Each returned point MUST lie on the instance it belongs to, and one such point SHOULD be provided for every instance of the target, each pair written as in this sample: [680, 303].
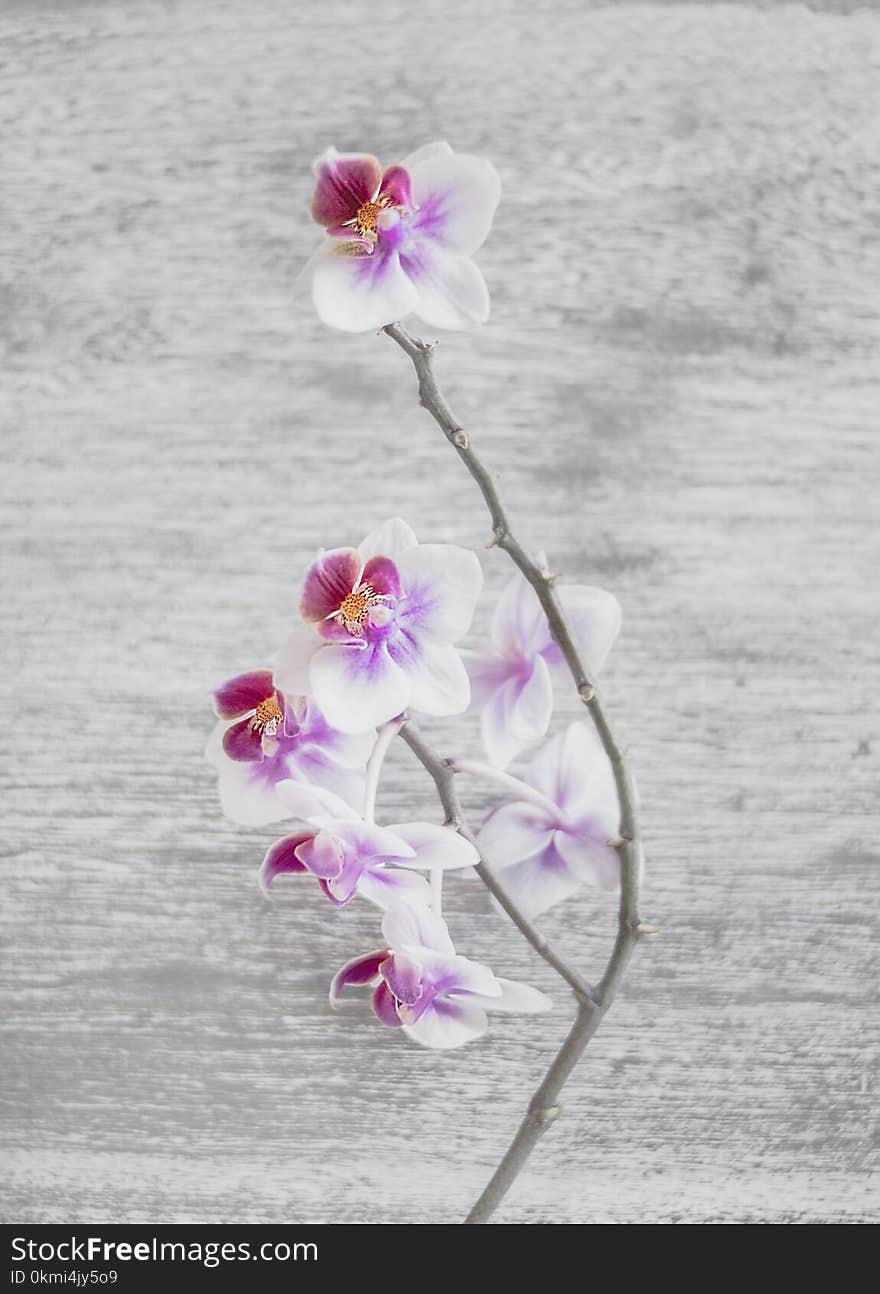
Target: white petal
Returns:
[415, 928]
[518, 713]
[313, 803]
[594, 616]
[574, 771]
[456, 195]
[537, 883]
[436, 846]
[487, 672]
[450, 1022]
[388, 540]
[290, 667]
[442, 583]
[452, 292]
[592, 860]
[385, 886]
[514, 831]
[360, 293]
[516, 997]
[247, 798]
[437, 678]
[358, 688]
[519, 625]
[437, 148]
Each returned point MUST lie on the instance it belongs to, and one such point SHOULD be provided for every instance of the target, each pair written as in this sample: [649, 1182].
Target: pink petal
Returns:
[385, 1006]
[345, 181]
[329, 581]
[282, 857]
[243, 742]
[396, 186]
[358, 688]
[450, 1022]
[361, 970]
[243, 693]
[488, 673]
[403, 975]
[574, 771]
[538, 883]
[323, 855]
[383, 577]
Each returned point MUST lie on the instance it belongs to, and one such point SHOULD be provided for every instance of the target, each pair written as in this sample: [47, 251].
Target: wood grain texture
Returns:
[679, 387]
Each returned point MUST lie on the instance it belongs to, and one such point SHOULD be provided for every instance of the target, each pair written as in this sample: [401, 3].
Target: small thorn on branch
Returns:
[619, 842]
[460, 438]
[642, 929]
[587, 693]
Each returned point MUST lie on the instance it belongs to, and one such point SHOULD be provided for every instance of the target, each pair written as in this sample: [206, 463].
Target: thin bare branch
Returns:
[543, 1108]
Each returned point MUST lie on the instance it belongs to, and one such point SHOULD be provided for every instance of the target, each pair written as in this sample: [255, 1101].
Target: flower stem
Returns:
[592, 1006]
[386, 735]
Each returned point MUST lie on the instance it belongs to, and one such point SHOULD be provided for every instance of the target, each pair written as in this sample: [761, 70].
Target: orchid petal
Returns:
[519, 625]
[385, 1006]
[416, 927]
[448, 1023]
[386, 886]
[515, 831]
[345, 181]
[452, 292]
[574, 771]
[383, 576]
[487, 673]
[537, 883]
[282, 857]
[437, 678]
[360, 970]
[292, 661]
[403, 975]
[442, 584]
[516, 997]
[328, 582]
[300, 800]
[455, 196]
[594, 616]
[391, 539]
[358, 687]
[518, 713]
[436, 847]
[243, 741]
[323, 855]
[361, 292]
[589, 859]
[242, 694]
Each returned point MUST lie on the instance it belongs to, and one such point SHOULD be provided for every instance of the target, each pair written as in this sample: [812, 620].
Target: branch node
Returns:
[460, 438]
[587, 693]
[546, 1113]
[642, 929]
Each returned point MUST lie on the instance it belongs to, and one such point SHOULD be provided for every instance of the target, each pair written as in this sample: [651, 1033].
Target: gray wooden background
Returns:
[679, 390]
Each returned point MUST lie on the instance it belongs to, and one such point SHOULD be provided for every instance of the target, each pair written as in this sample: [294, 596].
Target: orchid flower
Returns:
[349, 856]
[422, 986]
[265, 736]
[554, 834]
[401, 240]
[512, 683]
[381, 623]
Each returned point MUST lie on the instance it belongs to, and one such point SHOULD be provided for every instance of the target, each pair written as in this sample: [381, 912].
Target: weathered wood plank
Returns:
[679, 387]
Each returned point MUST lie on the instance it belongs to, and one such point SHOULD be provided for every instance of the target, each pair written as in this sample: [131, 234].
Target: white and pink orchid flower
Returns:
[422, 986]
[400, 241]
[381, 623]
[555, 833]
[265, 736]
[349, 856]
[512, 682]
